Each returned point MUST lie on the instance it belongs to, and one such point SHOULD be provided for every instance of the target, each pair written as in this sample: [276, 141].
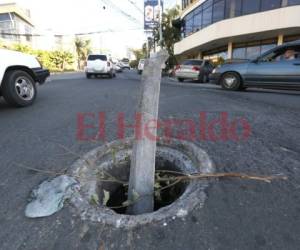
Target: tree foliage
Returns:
[61, 58]
[83, 48]
[138, 54]
[52, 60]
[171, 34]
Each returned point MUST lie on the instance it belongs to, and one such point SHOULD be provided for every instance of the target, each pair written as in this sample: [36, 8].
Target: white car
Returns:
[98, 65]
[125, 63]
[19, 74]
[141, 66]
[117, 66]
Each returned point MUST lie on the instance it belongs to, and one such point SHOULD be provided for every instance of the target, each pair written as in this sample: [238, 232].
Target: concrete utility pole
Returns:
[142, 170]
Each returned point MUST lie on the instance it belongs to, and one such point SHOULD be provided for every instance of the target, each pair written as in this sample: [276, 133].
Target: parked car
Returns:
[19, 74]
[194, 70]
[277, 68]
[141, 66]
[117, 68]
[125, 63]
[99, 65]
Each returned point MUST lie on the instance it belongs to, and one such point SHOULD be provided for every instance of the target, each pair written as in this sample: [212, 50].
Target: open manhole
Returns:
[112, 161]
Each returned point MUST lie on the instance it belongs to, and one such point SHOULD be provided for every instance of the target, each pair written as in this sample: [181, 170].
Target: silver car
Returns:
[194, 70]
[278, 68]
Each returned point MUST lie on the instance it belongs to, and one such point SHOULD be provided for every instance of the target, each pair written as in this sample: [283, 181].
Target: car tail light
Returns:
[177, 67]
[196, 68]
[108, 64]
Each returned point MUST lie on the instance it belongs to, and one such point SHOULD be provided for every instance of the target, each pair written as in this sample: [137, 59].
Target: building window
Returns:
[197, 20]
[207, 16]
[211, 11]
[217, 56]
[270, 4]
[293, 2]
[218, 11]
[250, 6]
[233, 8]
[253, 52]
[4, 17]
[267, 47]
[189, 25]
[239, 53]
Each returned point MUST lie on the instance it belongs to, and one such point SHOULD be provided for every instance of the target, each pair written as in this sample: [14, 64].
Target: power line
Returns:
[134, 4]
[130, 17]
[75, 34]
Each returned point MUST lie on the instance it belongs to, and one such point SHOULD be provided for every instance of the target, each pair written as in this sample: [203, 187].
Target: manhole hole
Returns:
[173, 158]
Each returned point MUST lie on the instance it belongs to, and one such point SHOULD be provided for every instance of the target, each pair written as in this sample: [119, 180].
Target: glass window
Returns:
[189, 26]
[293, 2]
[207, 17]
[233, 8]
[239, 53]
[198, 10]
[270, 4]
[250, 6]
[218, 11]
[97, 57]
[267, 47]
[252, 52]
[197, 22]
[4, 17]
[207, 4]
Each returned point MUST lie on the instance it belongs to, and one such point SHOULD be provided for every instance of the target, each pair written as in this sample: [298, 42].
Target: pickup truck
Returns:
[19, 74]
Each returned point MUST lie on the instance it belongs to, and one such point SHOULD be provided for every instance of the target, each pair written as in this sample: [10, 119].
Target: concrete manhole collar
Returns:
[112, 157]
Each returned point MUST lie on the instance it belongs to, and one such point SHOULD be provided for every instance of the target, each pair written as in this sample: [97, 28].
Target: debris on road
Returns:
[50, 196]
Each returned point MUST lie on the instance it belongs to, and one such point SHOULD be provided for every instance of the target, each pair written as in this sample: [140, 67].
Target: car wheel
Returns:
[110, 75]
[203, 79]
[88, 76]
[18, 88]
[231, 81]
[180, 79]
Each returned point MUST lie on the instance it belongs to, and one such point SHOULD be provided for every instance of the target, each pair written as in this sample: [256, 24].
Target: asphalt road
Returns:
[238, 214]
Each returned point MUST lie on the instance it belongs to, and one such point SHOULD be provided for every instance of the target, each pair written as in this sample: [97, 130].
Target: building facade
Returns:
[15, 24]
[236, 29]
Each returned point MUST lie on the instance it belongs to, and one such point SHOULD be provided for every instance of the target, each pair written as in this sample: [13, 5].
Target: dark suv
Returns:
[277, 68]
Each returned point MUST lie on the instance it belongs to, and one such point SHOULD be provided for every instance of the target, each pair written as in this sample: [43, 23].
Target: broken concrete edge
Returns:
[190, 158]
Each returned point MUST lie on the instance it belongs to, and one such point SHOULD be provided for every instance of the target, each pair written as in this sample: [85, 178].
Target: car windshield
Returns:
[193, 62]
[97, 57]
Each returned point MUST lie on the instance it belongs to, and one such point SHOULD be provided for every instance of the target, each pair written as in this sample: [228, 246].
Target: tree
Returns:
[139, 54]
[171, 34]
[22, 48]
[83, 48]
[61, 58]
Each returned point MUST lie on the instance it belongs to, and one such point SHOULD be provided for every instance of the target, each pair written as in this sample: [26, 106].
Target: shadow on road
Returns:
[4, 106]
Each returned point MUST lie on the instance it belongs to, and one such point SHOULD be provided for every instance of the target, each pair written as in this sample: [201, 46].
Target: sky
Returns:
[80, 16]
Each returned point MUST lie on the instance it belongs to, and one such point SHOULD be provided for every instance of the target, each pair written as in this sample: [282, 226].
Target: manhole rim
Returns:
[193, 196]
